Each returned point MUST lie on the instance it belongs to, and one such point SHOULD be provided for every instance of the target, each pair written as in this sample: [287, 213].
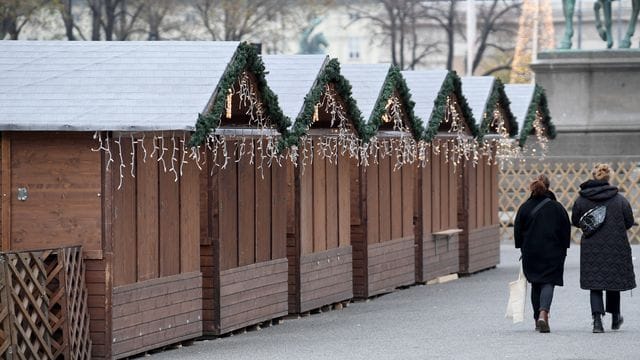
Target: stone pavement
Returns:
[462, 319]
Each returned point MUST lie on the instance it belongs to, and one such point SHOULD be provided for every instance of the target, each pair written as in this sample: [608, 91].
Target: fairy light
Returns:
[461, 147]
[341, 139]
[499, 149]
[229, 104]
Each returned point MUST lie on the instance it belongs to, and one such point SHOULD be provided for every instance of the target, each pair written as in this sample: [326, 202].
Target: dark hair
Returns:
[540, 186]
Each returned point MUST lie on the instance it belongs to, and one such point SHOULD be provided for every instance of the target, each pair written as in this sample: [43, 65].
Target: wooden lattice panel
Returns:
[77, 305]
[565, 178]
[40, 314]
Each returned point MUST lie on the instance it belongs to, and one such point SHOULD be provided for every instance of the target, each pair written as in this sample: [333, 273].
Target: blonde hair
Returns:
[601, 172]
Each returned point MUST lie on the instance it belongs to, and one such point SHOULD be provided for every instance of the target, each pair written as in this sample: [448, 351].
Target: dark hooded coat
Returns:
[543, 239]
[605, 256]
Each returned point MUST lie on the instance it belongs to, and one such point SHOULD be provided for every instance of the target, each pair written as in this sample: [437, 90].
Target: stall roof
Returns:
[372, 85]
[477, 90]
[291, 77]
[482, 93]
[366, 82]
[526, 99]
[520, 96]
[299, 80]
[430, 89]
[110, 85]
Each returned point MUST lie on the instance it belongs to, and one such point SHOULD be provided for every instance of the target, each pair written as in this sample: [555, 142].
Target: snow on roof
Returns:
[111, 85]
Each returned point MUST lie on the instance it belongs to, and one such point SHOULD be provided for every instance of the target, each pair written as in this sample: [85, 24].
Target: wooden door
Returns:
[51, 191]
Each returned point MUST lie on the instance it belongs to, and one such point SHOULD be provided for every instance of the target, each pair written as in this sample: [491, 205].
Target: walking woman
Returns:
[542, 233]
[605, 256]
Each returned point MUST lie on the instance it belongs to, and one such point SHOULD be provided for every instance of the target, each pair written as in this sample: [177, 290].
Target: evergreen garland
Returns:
[246, 58]
[395, 81]
[450, 85]
[498, 95]
[538, 102]
[330, 74]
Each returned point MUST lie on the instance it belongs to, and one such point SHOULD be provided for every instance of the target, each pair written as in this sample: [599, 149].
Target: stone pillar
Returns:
[594, 101]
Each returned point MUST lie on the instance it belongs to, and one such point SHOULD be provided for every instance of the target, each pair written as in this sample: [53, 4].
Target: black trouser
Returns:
[541, 297]
[613, 302]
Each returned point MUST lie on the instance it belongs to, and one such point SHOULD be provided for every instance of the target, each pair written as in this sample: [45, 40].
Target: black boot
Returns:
[597, 324]
[616, 321]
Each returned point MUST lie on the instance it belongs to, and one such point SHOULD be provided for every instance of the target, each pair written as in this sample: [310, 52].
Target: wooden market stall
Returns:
[450, 129]
[93, 155]
[243, 217]
[382, 192]
[325, 134]
[531, 110]
[480, 237]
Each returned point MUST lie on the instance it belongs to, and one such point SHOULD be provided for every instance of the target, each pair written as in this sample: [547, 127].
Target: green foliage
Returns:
[450, 85]
[395, 82]
[245, 58]
[498, 96]
[538, 102]
[330, 74]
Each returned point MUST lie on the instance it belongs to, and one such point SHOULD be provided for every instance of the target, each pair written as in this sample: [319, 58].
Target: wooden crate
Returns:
[43, 305]
[382, 230]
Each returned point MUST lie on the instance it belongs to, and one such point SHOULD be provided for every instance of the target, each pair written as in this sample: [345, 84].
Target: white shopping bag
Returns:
[517, 298]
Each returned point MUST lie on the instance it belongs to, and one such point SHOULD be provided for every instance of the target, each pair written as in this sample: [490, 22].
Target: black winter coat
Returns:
[543, 240]
[605, 256]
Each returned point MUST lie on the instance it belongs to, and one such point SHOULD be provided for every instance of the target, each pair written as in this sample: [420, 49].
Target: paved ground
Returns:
[463, 319]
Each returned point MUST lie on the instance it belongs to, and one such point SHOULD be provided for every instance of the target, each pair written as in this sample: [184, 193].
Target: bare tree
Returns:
[444, 13]
[66, 10]
[155, 12]
[95, 7]
[497, 25]
[127, 18]
[399, 23]
[15, 14]
[116, 18]
[237, 19]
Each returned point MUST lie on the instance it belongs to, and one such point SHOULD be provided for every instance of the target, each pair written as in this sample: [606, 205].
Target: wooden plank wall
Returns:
[155, 241]
[389, 201]
[324, 205]
[243, 222]
[382, 212]
[252, 294]
[480, 240]
[437, 211]
[319, 208]
[95, 278]
[443, 177]
[325, 278]
[251, 218]
[5, 185]
[294, 214]
[155, 220]
[153, 313]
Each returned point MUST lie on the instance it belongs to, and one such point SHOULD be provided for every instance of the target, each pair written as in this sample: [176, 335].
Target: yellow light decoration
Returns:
[229, 103]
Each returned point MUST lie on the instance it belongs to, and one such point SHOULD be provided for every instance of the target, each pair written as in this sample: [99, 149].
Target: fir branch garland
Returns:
[330, 74]
[498, 96]
[395, 82]
[246, 58]
[538, 103]
[450, 85]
